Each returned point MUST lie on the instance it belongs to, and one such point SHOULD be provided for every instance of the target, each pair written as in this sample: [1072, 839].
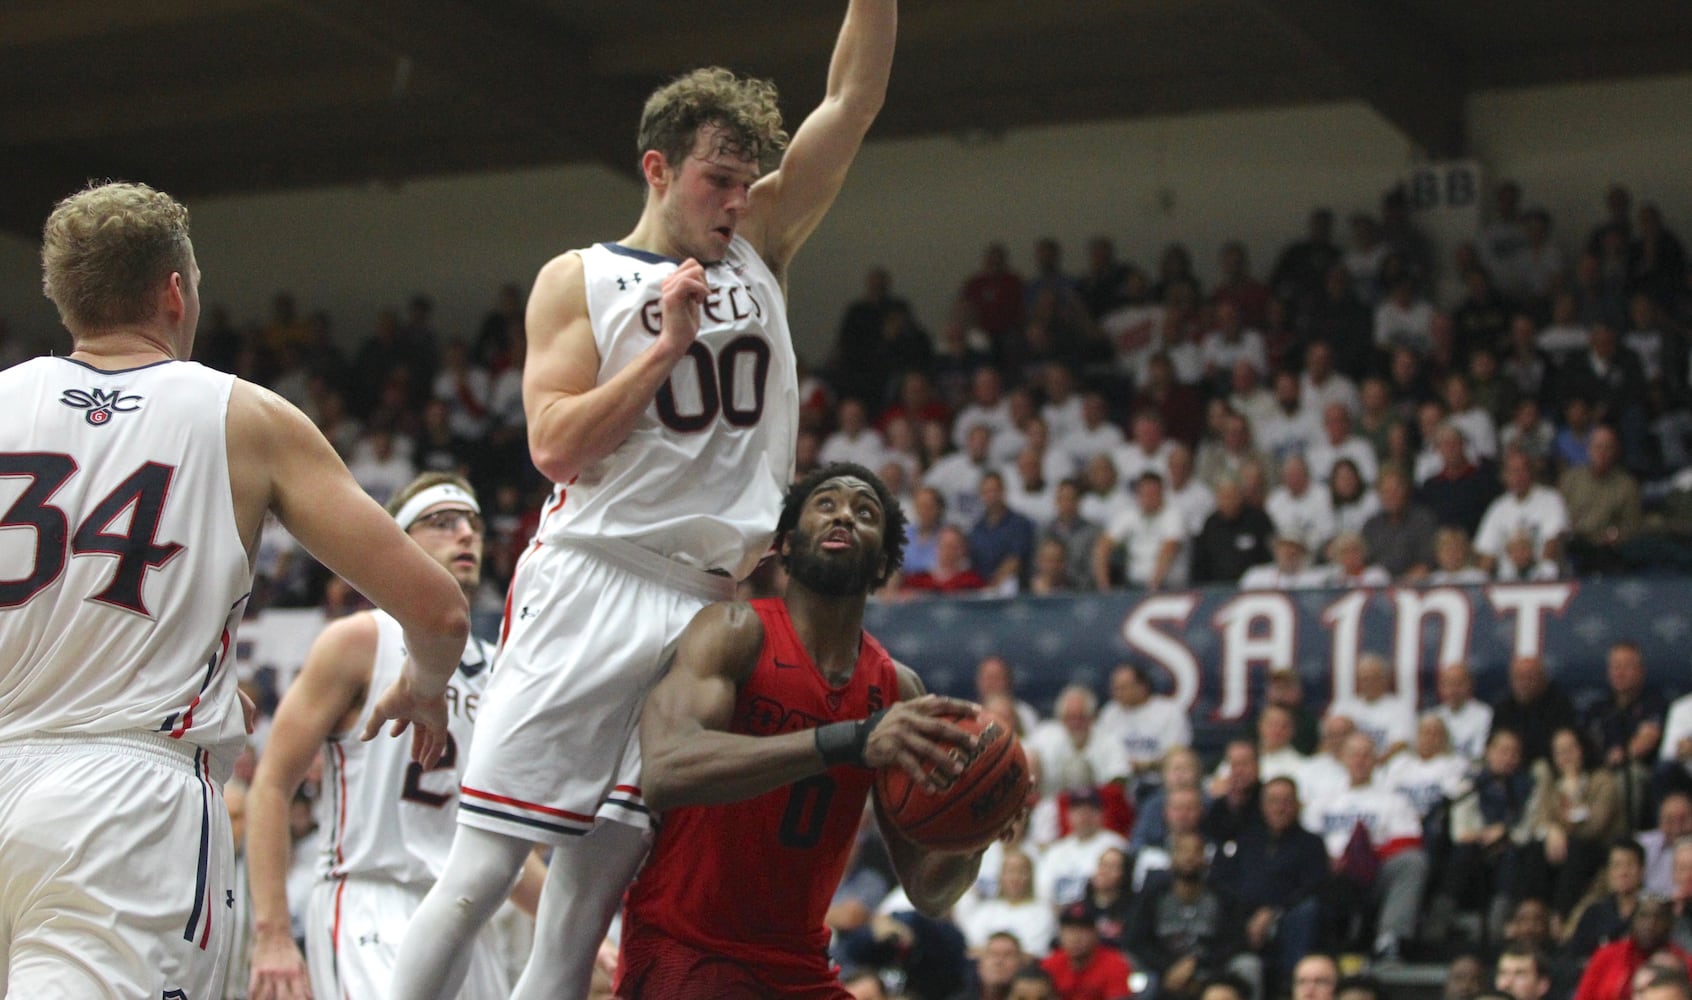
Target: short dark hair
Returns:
[1517, 948]
[1366, 983]
[892, 515]
[1629, 845]
[1228, 981]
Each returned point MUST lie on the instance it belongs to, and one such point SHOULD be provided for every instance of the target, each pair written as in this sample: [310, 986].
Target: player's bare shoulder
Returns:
[558, 297]
[910, 684]
[729, 635]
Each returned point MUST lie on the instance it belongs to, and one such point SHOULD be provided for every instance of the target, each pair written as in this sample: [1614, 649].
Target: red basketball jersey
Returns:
[752, 880]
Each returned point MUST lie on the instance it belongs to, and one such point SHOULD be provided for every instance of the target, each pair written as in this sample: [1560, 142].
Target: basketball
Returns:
[969, 811]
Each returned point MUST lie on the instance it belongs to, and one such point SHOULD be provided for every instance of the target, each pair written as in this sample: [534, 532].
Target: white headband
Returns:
[424, 499]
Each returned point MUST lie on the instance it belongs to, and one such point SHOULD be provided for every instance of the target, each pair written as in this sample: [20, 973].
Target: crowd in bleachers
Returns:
[1327, 424]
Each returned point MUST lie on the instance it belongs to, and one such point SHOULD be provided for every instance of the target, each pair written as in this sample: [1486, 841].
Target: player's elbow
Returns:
[449, 620]
[660, 786]
[556, 462]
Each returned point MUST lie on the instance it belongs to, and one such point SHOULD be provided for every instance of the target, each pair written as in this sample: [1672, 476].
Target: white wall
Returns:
[926, 207]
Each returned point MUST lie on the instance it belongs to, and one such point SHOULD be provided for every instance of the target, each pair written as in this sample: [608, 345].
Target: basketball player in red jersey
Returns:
[760, 746]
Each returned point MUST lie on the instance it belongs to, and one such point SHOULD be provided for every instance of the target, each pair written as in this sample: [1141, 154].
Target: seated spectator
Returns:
[1454, 560]
[1529, 432]
[958, 477]
[1051, 571]
[1568, 447]
[1186, 494]
[1016, 910]
[1181, 769]
[1234, 804]
[1291, 428]
[1603, 915]
[1182, 812]
[995, 676]
[1476, 423]
[1388, 719]
[1276, 870]
[926, 953]
[1524, 972]
[1153, 537]
[1147, 449]
[1576, 812]
[996, 965]
[1082, 967]
[1072, 754]
[1533, 707]
[1111, 897]
[1323, 774]
[1096, 435]
[1315, 977]
[1521, 562]
[1488, 821]
[854, 440]
[1339, 442]
[1625, 726]
[1185, 931]
[1603, 505]
[922, 532]
[952, 572]
[1374, 837]
[1001, 542]
[1298, 508]
[1348, 564]
[987, 407]
[1401, 534]
[1430, 775]
[1360, 986]
[1230, 343]
[1674, 821]
[1277, 757]
[1029, 490]
[1465, 978]
[1351, 499]
[1101, 500]
[1077, 534]
[1460, 492]
[1467, 719]
[1609, 974]
[1231, 449]
[1525, 507]
[1147, 724]
[1234, 538]
[1291, 569]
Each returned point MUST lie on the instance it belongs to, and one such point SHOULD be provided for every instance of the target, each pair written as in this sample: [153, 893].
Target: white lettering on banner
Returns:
[1413, 607]
[1170, 652]
[1345, 618]
[1274, 646]
[1529, 603]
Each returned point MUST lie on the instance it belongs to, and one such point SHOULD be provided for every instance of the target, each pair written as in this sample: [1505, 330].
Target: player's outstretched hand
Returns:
[682, 294]
[915, 735]
[279, 970]
[426, 717]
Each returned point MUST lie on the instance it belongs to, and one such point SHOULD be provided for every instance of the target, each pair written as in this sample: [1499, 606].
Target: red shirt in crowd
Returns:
[1609, 973]
[1103, 977]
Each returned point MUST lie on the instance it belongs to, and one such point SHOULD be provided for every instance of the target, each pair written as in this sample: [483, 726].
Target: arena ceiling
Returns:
[210, 97]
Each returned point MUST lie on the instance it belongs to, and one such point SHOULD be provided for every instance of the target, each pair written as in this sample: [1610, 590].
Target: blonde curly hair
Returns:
[106, 248]
[744, 109]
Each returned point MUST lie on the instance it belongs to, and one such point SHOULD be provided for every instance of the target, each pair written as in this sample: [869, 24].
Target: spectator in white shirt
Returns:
[1521, 562]
[1016, 910]
[1525, 508]
[1291, 428]
[1248, 395]
[958, 477]
[1348, 564]
[1322, 386]
[1477, 425]
[1147, 450]
[1147, 724]
[1009, 442]
[994, 676]
[1454, 560]
[1229, 344]
[1072, 754]
[1029, 490]
[1352, 500]
[1291, 569]
[1192, 498]
[1153, 536]
[1069, 863]
[1062, 409]
[1339, 442]
[1323, 774]
[987, 406]
[1405, 319]
[1388, 719]
[1097, 435]
[1467, 719]
[855, 440]
[1298, 508]
[1102, 500]
[1431, 773]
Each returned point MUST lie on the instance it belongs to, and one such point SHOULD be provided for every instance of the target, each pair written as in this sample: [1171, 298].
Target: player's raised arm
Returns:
[933, 879]
[574, 420]
[691, 759]
[282, 462]
[328, 688]
[788, 204]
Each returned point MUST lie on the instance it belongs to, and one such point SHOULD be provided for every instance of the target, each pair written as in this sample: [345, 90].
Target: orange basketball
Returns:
[969, 811]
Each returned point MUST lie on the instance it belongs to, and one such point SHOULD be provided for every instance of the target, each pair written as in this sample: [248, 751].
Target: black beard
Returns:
[829, 577]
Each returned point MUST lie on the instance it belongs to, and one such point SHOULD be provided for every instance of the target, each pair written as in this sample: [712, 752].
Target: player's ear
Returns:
[173, 296]
[656, 169]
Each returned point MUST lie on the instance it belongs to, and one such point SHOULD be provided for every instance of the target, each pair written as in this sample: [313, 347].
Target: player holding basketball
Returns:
[119, 717]
[389, 820]
[662, 399]
[759, 745]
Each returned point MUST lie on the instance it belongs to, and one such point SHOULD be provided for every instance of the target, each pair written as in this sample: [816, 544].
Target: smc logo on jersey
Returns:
[99, 403]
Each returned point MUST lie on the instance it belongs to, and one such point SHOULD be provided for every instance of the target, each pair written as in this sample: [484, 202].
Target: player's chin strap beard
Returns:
[844, 742]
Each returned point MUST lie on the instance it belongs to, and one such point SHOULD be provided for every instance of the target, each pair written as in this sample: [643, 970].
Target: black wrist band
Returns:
[844, 742]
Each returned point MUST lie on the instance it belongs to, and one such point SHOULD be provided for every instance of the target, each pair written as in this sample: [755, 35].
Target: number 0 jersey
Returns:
[752, 880]
[122, 575]
[385, 816]
[701, 477]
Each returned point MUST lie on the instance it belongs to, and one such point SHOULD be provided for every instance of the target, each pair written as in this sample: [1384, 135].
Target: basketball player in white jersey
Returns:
[662, 400]
[132, 487]
[388, 820]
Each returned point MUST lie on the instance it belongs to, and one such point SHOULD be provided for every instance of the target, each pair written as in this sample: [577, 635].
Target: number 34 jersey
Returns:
[122, 575]
[701, 477]
[383, 815]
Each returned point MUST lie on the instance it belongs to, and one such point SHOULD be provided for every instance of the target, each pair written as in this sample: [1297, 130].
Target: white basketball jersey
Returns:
[122, 575]
[383, 815]
[701, 477]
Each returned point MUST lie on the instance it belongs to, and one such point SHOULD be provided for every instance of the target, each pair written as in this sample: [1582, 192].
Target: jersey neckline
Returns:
[116, 371]
[648, 256]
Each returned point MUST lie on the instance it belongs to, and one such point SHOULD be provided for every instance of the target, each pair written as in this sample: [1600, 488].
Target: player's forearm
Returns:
[267, 853]
[571, 432]
[863, 57]
[709, 767]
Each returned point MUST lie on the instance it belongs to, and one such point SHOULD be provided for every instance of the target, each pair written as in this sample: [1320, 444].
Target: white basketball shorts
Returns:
[354, 927]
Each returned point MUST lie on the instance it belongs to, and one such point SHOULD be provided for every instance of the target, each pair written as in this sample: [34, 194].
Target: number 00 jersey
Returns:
[701, 477]
[386, 816]
[122, 575]
[752, 880]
